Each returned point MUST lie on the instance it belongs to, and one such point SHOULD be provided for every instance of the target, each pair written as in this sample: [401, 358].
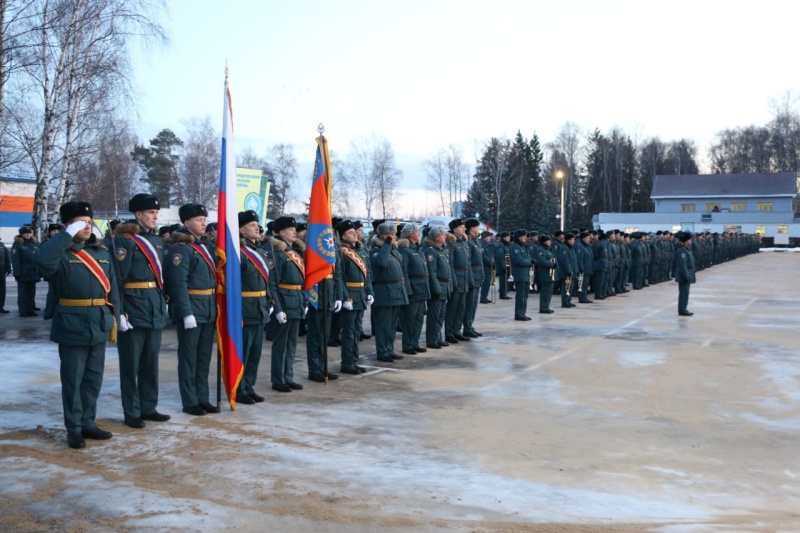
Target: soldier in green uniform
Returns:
[546, 267]
[23, 261]
[683, 270]
[357, 293]
[415, 268]
[565, 267]
[502, 261]
[139, 265]
[359, 227]
[286, 279]
[521, 270]
[5, 270]
[440, 286]
[388, 282]
[489, 266]
[85, 318]
[472, 226]
[191, 276]
[462, 279]
[255, 305]
[601, 265]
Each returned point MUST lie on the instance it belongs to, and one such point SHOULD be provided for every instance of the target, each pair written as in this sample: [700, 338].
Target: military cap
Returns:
[558, 233]
[270, 226]
[601, 236]
[543, 238]
[485, 234]
[408, 230]
[335, 221]
[504, 234]
[54, 227]
[246, 217]
[143, 202]
[357, 224]
[585, 234]
[533, 233]
[343, 226]
[192, 210]
[569, 236]
[163, 230]
[211, 227]
[282, 223]
[456, 222]
[174, 227]
[116, 222]
[386, 228]
[27, 228]
[377, 222]
[520, 233]
[472, 223]
[425, 230]
[436, 231]
[302, 226]
[684, 236]
[399, 228]
[70, 210]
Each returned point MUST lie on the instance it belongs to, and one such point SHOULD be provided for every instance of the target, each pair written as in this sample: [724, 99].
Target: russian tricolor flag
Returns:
[229, 274]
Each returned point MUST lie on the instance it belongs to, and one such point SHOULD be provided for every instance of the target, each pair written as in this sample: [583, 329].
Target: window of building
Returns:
[688, 208]
[765, 206]
[733, 229]
[713, 207]
[676, 229]
[631, 230]
[738, 206]
[783, 229]
[761, 230]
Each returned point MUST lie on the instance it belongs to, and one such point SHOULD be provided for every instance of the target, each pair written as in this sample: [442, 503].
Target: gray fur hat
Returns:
[435, 231]
[408, 230]
[386, 228]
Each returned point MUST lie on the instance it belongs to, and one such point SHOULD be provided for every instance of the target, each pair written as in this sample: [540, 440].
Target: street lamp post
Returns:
[560, 177]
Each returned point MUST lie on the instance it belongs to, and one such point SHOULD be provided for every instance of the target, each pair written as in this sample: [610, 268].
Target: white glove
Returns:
[281, 318]
[337, 306]
[271, 309]
[348, 305]
[124, 325]
[305, 311]
[370, 299]
[189, 322]
[75, 227]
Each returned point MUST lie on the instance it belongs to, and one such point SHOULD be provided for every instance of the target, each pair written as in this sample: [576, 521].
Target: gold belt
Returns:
[201, 292]
[140, 285]
[290, 287]
[355, 284]
[95, 302]
[253, 294]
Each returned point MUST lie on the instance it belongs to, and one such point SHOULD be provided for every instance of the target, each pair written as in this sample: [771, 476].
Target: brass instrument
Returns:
[507, 260]
[567, 284]
[580, 282]
[553, 270]
[531, 274]
[494, 271]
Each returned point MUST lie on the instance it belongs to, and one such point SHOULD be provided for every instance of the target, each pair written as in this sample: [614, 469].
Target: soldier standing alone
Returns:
[683, 270]
[23, 261]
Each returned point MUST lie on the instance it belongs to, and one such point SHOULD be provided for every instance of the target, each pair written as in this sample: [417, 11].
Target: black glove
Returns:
[389, 240]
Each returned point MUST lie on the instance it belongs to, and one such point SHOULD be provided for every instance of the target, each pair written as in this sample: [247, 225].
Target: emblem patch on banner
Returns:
[121, 253]
[325, 243]
[176, 259]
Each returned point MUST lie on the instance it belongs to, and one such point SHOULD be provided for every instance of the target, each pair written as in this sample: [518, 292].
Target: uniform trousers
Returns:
[194, 361]
[81, 380]
[252, 342]
[138, 371]
[435, 321]
[454, 315]
[351, 336]
[471, 309]
[284, 348]
[521, 298]
[413, 317]
[545, 295]
[385, 324]
[315, 350]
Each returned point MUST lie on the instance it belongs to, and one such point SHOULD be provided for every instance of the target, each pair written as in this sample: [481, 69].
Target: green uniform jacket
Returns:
[545, 261]
[476, 260]
[459, 263]
[601, 256]
[5, 260]
[585, 258]
[415, 268]
[255, 310]
[185, 269]
[71, 279]
[520, 262]
[439, 276]
[683, 266]
[563, 254]
[284, 271]
[23, 259]
[351, 272]
[388, 281]
[145, 308]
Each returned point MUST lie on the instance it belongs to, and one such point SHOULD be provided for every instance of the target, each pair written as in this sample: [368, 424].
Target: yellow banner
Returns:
[252, 191]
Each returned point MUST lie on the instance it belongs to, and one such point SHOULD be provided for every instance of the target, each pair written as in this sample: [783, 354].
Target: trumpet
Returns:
[533, 281]
[567, 284]
[553, 270]
[580, 282]
[507, 261]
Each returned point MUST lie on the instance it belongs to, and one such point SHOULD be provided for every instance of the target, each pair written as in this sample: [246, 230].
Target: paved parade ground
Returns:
[613, 416]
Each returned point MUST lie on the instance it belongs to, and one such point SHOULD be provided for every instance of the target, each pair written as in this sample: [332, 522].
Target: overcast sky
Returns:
[428, 73]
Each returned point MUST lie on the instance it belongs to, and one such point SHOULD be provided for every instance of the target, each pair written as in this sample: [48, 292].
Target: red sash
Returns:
[297, 260]
[355, 258]
[258, 262]
[207, 256]
[95, 268]
[152, 257]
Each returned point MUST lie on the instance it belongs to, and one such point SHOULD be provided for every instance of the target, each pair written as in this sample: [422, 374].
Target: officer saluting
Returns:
[192, 282]
[85, 318]
[390, 293]
[140, 255]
